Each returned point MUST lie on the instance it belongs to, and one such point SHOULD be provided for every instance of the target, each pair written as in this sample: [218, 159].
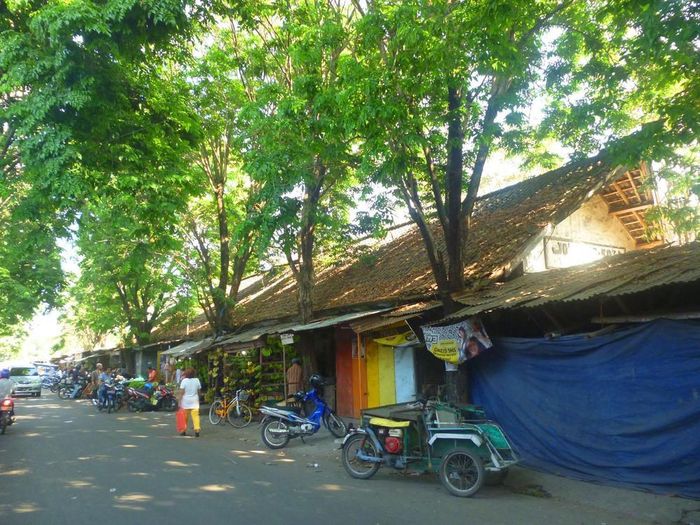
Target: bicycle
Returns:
[233, 408]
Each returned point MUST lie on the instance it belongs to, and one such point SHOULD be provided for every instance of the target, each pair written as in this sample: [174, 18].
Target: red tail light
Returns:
[6, 404]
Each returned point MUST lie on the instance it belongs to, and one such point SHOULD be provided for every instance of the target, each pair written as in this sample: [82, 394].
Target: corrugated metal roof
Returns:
[189, 347]
[616, 275]
[377, 322]
[331, 321]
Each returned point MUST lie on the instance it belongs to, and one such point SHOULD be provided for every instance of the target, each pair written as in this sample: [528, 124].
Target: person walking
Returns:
[189, 401]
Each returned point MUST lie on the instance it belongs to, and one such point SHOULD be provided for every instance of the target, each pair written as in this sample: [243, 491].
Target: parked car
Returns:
[27, 380]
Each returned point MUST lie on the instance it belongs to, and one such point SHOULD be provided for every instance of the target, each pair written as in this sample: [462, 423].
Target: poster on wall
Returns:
[457, 343]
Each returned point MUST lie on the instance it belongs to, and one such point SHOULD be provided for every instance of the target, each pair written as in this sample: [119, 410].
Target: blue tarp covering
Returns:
[621, 408]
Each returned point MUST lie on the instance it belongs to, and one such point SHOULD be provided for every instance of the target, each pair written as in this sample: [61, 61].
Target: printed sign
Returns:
[457, 343]
[287, 339]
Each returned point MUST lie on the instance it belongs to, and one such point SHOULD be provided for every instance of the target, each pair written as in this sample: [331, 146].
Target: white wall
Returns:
[584, 236]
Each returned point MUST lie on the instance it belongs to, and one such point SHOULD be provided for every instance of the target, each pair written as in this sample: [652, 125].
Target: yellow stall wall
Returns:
[372, 374]
[387, 381]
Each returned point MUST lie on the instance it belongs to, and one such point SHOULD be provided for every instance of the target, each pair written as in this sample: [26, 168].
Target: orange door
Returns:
[359, 377]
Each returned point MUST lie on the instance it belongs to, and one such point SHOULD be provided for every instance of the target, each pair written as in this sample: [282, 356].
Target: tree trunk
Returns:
[305, 275]
[307, 352]
[221, 301]
[454, 174]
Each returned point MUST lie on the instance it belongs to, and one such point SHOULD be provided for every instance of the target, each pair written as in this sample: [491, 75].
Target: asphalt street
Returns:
[65, 463]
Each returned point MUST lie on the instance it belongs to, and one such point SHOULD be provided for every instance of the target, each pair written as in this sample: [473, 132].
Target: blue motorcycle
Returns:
[281, 424]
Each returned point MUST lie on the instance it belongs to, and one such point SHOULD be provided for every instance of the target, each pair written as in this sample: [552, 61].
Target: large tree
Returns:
[128, 282]
[83, 111]
[223, 226]
[443, 85]
[292, 60]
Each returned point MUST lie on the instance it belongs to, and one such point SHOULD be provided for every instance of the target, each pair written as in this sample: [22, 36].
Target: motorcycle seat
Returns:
[388, 423]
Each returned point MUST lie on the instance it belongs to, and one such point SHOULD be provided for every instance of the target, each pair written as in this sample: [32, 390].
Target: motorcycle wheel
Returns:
[132, 406]
[272, 439]
[335, 425]
[462, 473]
[215, 412]
[64, 393]
[239, 418]
[356, 467]
[169, 404]
[3, 424]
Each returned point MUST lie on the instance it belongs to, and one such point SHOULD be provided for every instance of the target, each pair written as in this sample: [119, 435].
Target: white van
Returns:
[26, 379]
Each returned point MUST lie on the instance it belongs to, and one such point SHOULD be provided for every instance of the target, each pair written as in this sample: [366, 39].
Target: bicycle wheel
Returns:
[216, 412]
[239, 415]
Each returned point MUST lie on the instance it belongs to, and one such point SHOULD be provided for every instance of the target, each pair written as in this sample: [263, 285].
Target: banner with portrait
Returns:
[457, 343]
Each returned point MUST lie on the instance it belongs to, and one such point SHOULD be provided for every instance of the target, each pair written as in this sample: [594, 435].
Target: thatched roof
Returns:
[505, 224]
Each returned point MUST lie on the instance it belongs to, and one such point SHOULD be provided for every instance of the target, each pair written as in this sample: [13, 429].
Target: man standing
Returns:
[98, 379]
[294, 377]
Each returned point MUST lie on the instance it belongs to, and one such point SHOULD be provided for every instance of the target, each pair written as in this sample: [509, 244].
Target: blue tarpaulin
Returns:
[621, 408]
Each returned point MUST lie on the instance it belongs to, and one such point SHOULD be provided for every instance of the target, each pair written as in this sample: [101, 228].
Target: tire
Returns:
[169, 404]
[275, 440]
[354, 466]
[64, 393]
[132, 406]
[215, 411]
[462, 473]
[3, 423]
[496, 478]
[240, 418]
[38, 394]
[335, 425]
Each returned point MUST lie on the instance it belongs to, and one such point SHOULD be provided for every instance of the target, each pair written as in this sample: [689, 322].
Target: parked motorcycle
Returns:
[161, 398]
[112, 397]
[281, 424]
[69, 391]
[7, 407]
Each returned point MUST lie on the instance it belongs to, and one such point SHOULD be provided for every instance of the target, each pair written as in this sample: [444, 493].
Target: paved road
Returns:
[65, 463]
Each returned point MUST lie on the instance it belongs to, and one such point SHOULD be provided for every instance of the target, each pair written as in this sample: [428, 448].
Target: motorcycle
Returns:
[162, 398]
[73, 390]
[112, 397]
[281, 424]
[7, 407]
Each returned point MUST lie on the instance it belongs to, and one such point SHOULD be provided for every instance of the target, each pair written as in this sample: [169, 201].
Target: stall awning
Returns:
[331, 321]
[189, 347]
[252, 335]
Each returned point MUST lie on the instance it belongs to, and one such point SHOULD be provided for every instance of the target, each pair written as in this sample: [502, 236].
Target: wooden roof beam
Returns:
[634, 186]
[630, 210]
[620, 192]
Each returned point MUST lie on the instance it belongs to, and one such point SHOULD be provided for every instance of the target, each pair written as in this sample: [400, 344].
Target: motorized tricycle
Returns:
[456, 441]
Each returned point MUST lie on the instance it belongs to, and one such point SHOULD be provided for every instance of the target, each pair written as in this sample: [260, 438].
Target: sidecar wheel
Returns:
[275, 434]
[462, 473]
[354, 466]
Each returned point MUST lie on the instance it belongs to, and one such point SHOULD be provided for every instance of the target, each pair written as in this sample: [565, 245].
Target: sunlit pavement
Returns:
[64, 462]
